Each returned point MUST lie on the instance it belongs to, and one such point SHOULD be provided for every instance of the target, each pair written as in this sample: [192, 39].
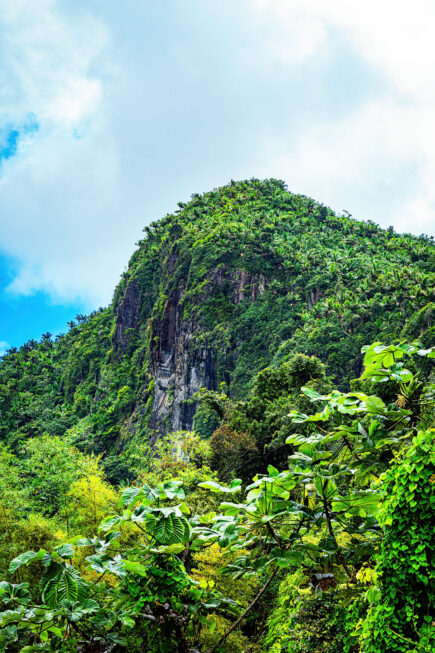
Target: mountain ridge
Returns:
[237, 279]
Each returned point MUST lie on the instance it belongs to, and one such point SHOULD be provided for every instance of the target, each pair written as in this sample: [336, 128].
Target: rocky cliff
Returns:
[235, 280]
[241, 277]
[181, 360]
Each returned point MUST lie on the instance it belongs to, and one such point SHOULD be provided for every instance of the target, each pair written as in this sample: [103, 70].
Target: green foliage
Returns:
[208, 565]
[51, 466]
[233, 453]
[356, 486]
[321, 513]
[254, 274]
[303, 620]
[253, 432]
[89, 500]
[153, 593]
[270, 296]
[401, 612]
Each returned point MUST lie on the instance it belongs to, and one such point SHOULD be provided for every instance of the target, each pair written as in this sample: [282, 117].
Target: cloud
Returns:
[4, 346]
[46, 62]
[136, 110]
[52, 184]
[382, 140]
[12, 136]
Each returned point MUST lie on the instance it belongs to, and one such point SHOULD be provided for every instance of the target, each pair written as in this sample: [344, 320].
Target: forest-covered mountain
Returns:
[237, 279]
[235, 456]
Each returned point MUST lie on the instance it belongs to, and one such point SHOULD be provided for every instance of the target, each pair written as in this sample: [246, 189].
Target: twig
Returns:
[244, 613]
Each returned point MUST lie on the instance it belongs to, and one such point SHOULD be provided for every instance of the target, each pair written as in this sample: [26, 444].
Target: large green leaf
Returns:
[128, 495]
[62, 582]
[25, 558]
[171, 529]
[10, 592]
[217, 487]
[172, 549]
[173, 489]
[135, 568]
[65, 551]
[109, 522]
[359, 503]
[325, 488]
[375, 405]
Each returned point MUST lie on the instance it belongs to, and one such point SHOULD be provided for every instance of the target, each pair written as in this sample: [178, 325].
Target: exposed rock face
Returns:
[247, 286]
[127, 316]
[179, 366]
[242, 284]
[313, 298]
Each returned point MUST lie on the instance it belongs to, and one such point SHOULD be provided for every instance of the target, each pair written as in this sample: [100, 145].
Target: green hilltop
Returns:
[235, 280]
[237, 453]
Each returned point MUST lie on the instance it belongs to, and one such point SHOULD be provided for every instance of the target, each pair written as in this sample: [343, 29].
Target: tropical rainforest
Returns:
[237, 454]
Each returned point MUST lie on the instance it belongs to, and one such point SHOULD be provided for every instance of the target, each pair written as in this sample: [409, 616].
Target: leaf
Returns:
[10, 617]
[208, 518]
[169, 549]
[232, 508]
[96, 562]
[9, 591]
[375, 405]
[109, 522]
[171, 529]
[129, 495]
[85, 541]
[286, 558]
[90, 606]
[425, 352]
[25, 558]
[353, 504]
[174, 489]
[62, 582]
[127, 621]
[65, 551]
[135, 568]
[373, 594]
[140, 514]
[217, 487]
[325, 488]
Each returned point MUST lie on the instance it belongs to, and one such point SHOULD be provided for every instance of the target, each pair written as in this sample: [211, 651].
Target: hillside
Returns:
[238, 453]
[235, 280]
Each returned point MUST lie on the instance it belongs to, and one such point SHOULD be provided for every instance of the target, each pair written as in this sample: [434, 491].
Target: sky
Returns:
[112, 112]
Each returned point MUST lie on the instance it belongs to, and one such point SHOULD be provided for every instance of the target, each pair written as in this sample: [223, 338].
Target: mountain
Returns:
[236, 280]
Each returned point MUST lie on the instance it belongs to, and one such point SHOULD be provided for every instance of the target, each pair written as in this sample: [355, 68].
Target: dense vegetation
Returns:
[254, 274]
[295, 514]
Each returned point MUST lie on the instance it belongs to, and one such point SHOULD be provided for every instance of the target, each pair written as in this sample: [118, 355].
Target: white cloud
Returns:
[69, 235]
[58, 193]
[124, 123]
[398, 129]
[4, 346]
[46, 61]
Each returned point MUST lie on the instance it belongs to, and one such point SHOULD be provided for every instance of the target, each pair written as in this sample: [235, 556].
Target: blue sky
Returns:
[112, 112]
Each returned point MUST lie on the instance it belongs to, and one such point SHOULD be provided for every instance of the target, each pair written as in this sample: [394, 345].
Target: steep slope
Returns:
[235, 280]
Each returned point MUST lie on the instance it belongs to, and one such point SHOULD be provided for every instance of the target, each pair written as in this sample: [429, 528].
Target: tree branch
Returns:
[244, 613]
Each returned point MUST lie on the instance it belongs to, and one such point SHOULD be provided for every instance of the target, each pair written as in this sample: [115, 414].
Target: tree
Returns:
[51, 466]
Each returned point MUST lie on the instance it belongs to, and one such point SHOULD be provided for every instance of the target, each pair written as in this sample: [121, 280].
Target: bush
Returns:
[400, 617]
